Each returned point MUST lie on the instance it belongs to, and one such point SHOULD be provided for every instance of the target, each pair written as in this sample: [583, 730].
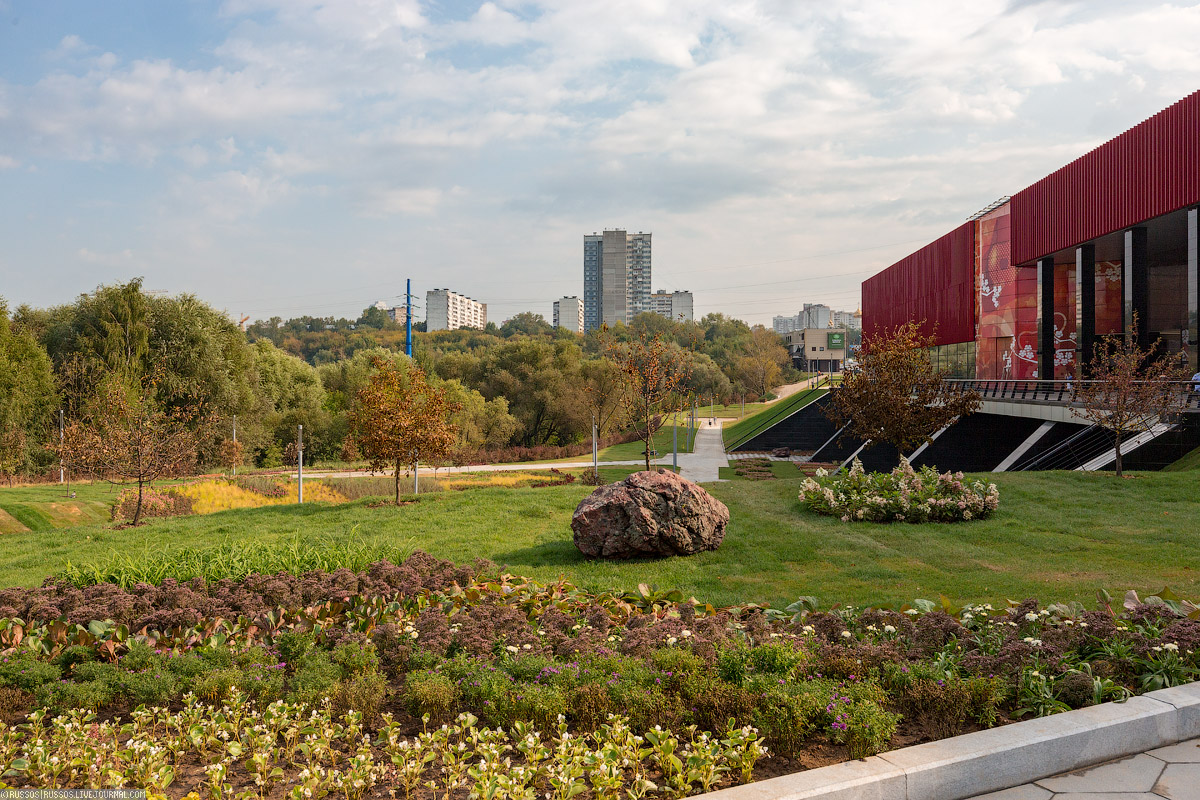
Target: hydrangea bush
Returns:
[902, 495]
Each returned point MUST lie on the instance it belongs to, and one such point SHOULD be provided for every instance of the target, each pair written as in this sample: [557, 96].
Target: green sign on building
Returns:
[836, 341]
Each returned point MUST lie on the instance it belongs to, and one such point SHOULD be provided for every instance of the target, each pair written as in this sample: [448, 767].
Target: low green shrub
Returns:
[427, 692]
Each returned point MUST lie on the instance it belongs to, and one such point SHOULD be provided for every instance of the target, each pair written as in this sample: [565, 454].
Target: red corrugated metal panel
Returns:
[935, 285]
[1151, 169]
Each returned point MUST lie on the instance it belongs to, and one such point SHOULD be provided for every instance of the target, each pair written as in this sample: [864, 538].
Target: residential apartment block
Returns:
[672, 305]
[447, 311]
[616, 277]
[568, 314]
[817, 315]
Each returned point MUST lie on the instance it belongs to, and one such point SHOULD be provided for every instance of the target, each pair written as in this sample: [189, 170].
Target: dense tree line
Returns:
[522, 383]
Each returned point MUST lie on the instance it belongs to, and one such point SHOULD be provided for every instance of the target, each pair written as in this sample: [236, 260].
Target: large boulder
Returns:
[649, 514]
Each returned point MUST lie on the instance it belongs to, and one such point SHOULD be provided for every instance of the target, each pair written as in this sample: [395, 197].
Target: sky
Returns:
[290, 157]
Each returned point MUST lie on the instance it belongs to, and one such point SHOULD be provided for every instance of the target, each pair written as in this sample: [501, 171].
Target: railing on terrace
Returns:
[1057, 392]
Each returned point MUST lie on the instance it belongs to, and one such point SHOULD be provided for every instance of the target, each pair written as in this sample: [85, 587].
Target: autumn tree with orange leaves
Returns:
[895, 394]
[129, 435]
[402, 420]
[1128, 390]
[654, 370]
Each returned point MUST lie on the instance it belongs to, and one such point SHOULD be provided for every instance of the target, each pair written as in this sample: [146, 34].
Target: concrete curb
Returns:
[998, 758]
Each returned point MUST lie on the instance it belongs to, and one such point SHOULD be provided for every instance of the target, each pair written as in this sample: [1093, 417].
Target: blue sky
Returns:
[289, 156]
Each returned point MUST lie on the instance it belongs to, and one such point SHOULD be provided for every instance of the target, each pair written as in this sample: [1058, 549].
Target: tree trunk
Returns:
[137, 512]
[1118, 451]
[397, 481]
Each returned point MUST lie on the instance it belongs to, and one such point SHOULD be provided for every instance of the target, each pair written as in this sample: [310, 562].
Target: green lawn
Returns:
[46, 507]
[1057, 536]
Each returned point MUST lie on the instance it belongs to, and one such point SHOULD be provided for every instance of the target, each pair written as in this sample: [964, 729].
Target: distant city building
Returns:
[847, 319]
[817, 315]
[447, 311]
[399, 313]
[568, 314]
[785, 325]
[672, 305]
[818, 349]
[616, 277]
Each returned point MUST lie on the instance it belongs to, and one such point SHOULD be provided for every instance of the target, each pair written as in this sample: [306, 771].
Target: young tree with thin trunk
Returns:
[1128, 390]
[128, 436]
[654, 371]
[401, 420]
[895, 395]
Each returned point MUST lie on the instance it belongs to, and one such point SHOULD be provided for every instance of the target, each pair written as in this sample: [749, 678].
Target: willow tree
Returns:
[895, 394]
[402, 419]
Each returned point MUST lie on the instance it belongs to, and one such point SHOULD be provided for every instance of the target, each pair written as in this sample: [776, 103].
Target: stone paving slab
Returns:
[1135, 775]
[1182, 753]
[1179, 782]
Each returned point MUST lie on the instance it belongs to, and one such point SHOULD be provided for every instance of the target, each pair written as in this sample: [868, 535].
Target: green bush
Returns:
[364, 692]
[314, 678]
[26, 673]
[429, 692]
[292, 645]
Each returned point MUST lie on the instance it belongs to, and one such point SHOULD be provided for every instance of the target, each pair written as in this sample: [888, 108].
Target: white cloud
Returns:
[121, 258]
[740, 131]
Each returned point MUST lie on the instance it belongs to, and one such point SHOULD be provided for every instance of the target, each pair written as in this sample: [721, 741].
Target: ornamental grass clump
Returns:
[902, 495]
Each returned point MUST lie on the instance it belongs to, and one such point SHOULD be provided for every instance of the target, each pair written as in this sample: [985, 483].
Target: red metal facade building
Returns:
[1150, 170]
[935, 284]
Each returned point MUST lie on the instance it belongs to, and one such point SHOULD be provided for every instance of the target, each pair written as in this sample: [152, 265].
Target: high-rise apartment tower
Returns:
[616, 277]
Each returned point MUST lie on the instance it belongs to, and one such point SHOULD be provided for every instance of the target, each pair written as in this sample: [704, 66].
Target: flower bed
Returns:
[397, 651]
[755, 469]
[902, 495]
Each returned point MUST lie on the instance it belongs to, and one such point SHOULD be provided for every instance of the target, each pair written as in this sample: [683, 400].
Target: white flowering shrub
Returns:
[902, 495]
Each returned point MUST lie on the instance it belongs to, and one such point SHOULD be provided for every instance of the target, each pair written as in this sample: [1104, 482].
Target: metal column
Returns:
[1085, 304]
[1136, 283]
[1191, 336]
[1045, 318]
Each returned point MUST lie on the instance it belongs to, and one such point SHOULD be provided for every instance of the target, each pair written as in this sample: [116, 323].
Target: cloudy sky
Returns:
[289, 156]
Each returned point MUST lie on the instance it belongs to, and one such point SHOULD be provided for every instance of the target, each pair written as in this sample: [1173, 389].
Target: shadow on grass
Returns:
[563, 554]
[550, 554]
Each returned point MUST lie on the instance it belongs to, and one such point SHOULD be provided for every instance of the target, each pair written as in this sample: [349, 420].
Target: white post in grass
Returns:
[300, 462]
[416, 469]
[675, 447]
[61, 435]
[235, 443]
[595, 450]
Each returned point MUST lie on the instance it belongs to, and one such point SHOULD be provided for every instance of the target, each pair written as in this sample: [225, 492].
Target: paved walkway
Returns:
[1168, 772]
[703, 464]
[789, 389]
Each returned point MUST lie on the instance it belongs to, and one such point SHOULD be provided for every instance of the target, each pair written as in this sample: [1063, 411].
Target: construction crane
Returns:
[242, 322]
